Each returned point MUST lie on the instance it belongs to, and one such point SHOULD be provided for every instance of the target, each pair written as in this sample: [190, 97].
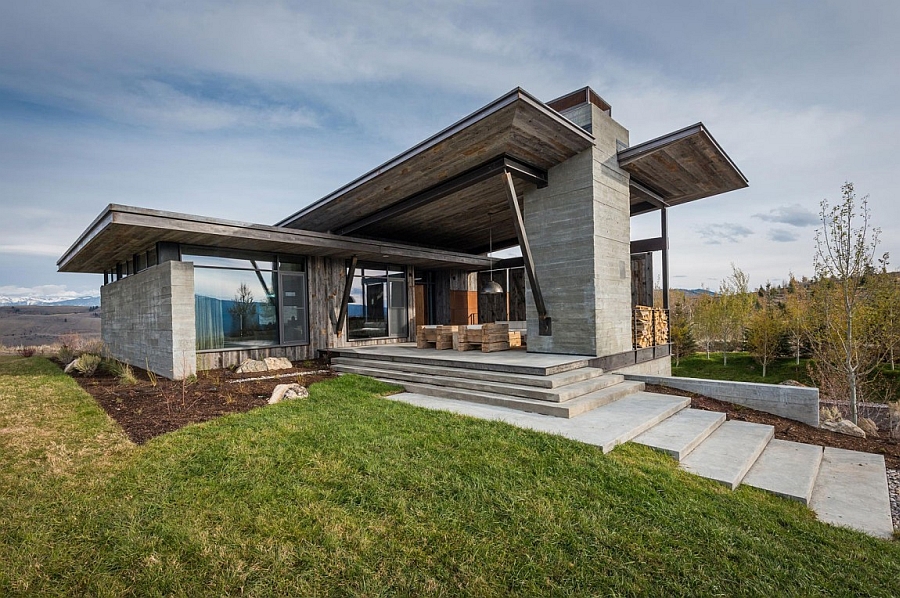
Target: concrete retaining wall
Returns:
[792, 402]
[148, 319]
[661, 367]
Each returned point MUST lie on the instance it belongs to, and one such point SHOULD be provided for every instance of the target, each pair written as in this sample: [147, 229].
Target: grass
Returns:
[741, 368]
[348, 494]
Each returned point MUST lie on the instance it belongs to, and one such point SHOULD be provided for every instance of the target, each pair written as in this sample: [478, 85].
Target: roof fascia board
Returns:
[502, 102]
[145, 218]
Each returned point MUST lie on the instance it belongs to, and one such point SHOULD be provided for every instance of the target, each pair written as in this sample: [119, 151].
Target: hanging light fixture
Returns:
[491, 286]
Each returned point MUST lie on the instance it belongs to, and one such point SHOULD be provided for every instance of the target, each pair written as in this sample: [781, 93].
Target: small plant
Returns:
[123, 372]
[87, 364]
[154, 381]
[25, 351]
[65, 354]
[829, 413]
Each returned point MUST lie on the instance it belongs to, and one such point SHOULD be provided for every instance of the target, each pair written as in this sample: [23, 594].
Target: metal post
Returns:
[544, 322]
[664, 225]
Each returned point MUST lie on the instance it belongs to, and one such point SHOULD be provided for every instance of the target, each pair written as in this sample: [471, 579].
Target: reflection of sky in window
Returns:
[228, 262]
[224, 284]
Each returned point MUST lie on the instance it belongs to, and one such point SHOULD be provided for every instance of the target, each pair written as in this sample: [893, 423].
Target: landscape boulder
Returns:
[70, 367]
[843, 426]
[283, 392]
[250, 366]
[278, 363]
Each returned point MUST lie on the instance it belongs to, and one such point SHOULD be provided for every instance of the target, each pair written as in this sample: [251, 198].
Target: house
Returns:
[407, 243]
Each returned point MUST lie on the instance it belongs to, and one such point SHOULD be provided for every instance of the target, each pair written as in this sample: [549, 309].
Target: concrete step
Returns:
[681, 433]
[568, 409]
[511, 362]
[606, 427]
[462, 381]
[540, 381]
[728, 453]
[787, 469]
[852, 491]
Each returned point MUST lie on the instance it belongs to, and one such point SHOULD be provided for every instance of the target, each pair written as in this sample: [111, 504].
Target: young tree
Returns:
[765, 330]
[681, 333]
[845, 252]
[796, 307]
[704, 320]
[734, 305]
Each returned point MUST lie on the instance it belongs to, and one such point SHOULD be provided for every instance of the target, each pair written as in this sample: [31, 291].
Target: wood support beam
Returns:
[453, 185]
[544, 321]
[348, 285]
[645, 245]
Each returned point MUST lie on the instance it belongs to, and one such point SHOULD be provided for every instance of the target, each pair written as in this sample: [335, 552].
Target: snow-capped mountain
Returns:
[50, 300]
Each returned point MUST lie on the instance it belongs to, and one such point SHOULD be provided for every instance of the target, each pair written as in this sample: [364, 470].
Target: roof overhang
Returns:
[682, 166]
[122, 231]
[516, 127]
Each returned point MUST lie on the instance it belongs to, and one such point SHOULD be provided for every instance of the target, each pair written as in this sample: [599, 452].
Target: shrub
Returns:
[25, 351]
[87, 364]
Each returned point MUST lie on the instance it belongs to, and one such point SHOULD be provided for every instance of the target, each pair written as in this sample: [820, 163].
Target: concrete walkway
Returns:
[846, 488]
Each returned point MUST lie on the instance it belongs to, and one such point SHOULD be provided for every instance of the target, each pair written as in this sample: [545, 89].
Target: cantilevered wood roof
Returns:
[122, 231]
[516, 126]
[677, 168]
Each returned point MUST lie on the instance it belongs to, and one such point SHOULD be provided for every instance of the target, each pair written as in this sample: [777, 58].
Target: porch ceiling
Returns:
[682, 166]
[516, 126]
[122, 231]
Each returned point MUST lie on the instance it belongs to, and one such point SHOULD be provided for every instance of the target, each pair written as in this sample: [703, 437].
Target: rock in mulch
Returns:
[843, 426]
[278, 363]
[70, 367]
[253, 366]
[283, 392]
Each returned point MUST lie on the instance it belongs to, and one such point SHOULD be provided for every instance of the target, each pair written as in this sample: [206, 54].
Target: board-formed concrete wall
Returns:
[793, 402]
[579, 230]
[148, 319]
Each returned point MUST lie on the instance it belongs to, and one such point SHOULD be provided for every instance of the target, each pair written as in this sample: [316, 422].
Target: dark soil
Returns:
[145, 409]
[788, 429]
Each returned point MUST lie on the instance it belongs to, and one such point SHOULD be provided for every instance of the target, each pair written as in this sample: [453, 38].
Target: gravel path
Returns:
[893, 479]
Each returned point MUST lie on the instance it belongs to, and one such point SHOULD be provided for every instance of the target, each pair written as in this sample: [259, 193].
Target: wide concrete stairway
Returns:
[843, 487]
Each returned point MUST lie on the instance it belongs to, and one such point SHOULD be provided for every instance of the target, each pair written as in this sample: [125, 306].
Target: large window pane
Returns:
[234, 308]
[294, 329]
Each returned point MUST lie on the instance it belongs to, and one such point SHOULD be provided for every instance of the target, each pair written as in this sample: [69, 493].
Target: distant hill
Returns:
[691, 293]
[45, 324]
[90, 301]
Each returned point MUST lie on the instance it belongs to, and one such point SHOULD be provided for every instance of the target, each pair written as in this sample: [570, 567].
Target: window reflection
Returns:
[377, 305]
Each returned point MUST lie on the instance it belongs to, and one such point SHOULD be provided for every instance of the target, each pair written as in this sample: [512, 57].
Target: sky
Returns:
[252, 110]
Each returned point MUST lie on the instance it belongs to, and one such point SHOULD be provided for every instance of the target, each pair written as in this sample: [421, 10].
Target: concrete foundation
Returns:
[148, 320]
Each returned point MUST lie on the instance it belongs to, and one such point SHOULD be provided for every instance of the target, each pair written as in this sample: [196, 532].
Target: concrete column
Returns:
[579, 229]
[148, 320]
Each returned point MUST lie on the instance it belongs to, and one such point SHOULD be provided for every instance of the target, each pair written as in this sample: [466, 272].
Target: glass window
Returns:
[234, 308]
[377, 305]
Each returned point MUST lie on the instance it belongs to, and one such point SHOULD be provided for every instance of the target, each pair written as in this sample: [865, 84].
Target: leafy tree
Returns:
[704, 320]
[765, 330]
[734, 303]
[796, 308]
[844, 257]
[681, 333]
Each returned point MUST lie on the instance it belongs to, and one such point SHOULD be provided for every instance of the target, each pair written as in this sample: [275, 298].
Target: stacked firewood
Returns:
[651, 327]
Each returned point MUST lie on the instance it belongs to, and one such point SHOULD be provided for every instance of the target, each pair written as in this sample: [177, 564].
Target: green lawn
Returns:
[741, 368]
[348, 494]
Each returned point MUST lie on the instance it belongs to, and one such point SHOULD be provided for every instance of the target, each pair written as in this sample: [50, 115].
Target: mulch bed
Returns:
[145, 410]
[788, 429]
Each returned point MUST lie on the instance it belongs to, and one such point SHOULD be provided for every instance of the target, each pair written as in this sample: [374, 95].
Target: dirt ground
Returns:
[788, 429]
[145, 409]
[148, 409]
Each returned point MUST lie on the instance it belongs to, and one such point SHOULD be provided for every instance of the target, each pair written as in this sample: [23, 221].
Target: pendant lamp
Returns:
[491, 286]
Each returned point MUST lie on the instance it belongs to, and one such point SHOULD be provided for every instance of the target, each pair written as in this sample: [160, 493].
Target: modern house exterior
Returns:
[408, 242]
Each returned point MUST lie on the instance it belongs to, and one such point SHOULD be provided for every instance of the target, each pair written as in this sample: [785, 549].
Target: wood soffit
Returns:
[516, 126]
[682, 166]
[122, 231]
